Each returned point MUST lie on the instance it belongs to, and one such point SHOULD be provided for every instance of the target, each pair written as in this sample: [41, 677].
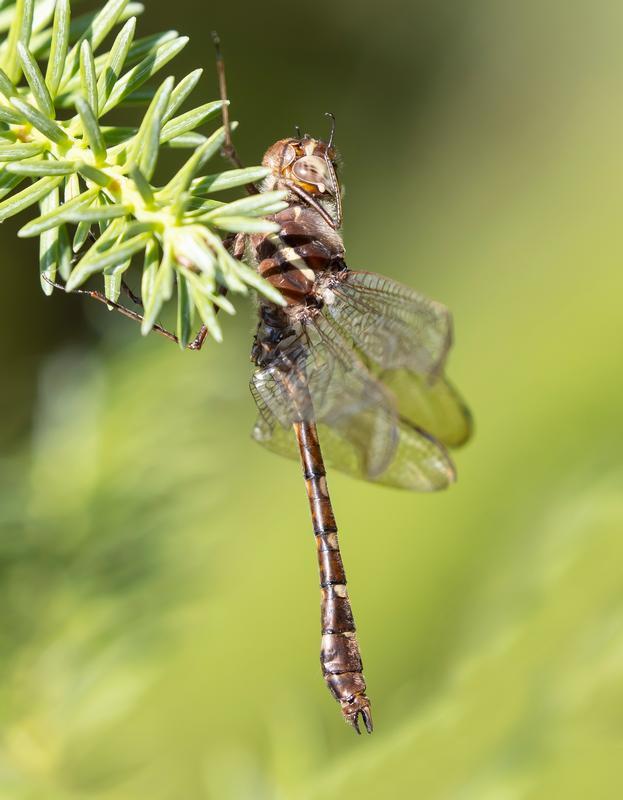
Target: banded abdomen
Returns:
[340, 658]
[305, 246]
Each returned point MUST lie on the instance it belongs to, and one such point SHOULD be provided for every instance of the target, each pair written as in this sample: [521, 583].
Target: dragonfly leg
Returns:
[196, 344]
[198, 341]
[340, 657]
[136, 299]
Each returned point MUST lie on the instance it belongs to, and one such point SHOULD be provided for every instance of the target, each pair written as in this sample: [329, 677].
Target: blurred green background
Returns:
[158, 583]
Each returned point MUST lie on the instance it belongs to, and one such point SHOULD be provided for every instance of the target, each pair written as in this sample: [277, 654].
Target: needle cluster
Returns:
[98, 207]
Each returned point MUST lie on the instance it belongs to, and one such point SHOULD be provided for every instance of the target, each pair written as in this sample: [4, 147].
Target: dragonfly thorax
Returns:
[291, 260]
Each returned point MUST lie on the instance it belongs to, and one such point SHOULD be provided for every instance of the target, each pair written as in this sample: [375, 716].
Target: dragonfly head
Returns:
[306, 168]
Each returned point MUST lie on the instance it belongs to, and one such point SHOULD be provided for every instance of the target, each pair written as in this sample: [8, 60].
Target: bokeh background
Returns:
[158, 586]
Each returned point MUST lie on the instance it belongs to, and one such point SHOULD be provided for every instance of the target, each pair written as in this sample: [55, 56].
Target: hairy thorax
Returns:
[292, 259]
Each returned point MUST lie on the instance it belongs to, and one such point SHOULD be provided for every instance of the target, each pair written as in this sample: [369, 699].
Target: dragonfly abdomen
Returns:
[340, 658]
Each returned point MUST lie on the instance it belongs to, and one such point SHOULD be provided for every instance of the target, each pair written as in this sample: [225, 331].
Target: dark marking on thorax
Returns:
[292, 259]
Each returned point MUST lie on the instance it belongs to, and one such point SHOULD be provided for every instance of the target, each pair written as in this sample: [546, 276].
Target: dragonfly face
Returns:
[306, 169]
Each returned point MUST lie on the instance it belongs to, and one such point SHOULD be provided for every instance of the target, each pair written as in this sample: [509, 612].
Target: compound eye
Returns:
[313, 170]
[288, 156]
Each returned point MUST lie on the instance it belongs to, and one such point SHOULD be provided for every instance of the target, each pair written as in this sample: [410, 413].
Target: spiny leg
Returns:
[196, 344]
[135, 298]
[340, 657]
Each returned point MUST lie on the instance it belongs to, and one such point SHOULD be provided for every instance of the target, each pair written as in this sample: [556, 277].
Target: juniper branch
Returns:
[83, 173]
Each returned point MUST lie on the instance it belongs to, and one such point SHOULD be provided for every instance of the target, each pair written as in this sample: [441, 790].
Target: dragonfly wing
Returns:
[419, 463]
[314, 376]
[435, 407]
[389, 323]
[404, 338]
[360, 431]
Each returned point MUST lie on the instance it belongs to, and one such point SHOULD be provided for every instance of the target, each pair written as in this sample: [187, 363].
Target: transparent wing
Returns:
[389, 323]
[435, 406]
[404, 339]
[314, 376]
[418, 462]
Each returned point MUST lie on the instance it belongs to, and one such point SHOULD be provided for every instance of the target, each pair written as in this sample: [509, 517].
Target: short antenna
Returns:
[332, 136]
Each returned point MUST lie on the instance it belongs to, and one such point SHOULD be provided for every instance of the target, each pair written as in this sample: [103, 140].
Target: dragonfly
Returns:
[349, 374]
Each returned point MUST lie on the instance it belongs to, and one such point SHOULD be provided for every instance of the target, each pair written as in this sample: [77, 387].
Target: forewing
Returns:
[389, 323]
[404, 338]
